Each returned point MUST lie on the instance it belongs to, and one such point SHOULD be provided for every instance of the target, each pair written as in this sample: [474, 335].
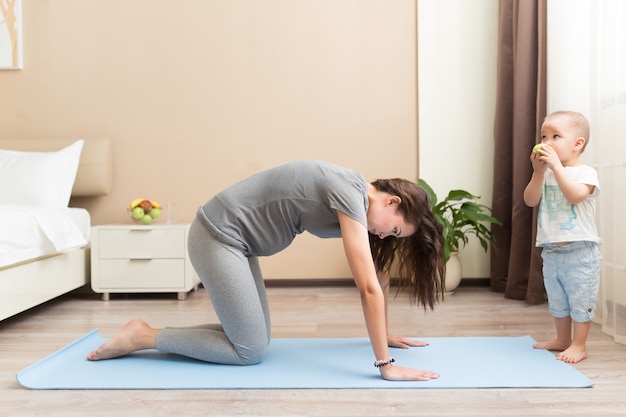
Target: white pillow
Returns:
[43, 179]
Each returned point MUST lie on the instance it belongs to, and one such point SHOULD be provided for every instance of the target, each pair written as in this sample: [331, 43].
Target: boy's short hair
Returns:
[577, 121]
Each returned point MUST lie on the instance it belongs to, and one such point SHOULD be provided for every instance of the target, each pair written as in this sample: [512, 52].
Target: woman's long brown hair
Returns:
[419, 258]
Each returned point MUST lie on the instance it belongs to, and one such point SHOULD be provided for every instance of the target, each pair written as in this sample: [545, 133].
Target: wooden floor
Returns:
[330, 311]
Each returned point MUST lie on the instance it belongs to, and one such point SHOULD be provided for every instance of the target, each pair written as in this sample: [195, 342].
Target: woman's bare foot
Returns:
[573, 354]
[551, 345]
[136, 335]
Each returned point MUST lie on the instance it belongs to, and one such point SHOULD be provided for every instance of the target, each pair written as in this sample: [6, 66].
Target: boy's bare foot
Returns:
[136, 335]
[573, 354]
[551, 345]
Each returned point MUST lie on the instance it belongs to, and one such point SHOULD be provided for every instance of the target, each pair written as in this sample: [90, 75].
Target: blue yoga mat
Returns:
[462, 362]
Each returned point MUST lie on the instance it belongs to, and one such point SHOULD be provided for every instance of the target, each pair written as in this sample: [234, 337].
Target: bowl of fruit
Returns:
[144, 211]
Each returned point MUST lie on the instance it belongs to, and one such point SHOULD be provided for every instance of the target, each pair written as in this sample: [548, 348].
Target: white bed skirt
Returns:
[29, 284]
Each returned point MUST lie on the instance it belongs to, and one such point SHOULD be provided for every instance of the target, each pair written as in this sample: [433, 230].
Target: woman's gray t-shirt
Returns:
[262, 214]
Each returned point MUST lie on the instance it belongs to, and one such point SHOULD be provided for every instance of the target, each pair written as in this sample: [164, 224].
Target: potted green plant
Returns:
[461, 216]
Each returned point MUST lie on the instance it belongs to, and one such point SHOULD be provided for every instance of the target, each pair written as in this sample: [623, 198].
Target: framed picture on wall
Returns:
[10, 34]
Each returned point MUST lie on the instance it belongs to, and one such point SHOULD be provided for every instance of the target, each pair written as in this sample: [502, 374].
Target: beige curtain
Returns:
[609, 130]
[520, 109]
[587, 51]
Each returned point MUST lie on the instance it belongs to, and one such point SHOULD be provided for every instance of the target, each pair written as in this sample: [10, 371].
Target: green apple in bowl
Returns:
[137, 213]
[155, 213]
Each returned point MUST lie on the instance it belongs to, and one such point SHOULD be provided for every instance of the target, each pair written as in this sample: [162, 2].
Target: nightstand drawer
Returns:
[142, 243]
[142, 274]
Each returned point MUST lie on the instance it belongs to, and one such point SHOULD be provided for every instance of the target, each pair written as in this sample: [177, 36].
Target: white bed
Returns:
[44, 244]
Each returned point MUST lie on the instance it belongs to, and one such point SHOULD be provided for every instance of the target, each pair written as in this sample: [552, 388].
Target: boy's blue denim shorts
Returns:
[571, 274]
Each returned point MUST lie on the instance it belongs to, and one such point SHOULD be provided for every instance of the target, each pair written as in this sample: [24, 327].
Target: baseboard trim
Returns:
[349, 282]
[475, 282]
[310, 282]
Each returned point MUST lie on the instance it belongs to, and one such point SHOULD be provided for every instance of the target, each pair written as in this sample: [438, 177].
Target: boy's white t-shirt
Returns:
[561, 221]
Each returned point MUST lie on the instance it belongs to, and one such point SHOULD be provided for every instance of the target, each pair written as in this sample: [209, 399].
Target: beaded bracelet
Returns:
[382, 362]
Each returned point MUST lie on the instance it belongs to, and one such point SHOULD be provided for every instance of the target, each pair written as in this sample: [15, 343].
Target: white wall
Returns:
[457, 54]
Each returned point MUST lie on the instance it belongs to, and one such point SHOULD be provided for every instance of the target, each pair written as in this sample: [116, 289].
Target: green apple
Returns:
[137, 213]
[537, 147]
[155, 212]
[146, 219]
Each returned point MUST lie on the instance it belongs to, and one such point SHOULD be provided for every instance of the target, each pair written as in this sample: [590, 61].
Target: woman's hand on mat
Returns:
[400, 373]
[403, 342]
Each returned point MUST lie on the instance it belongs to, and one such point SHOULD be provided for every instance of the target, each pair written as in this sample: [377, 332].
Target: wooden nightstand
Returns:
[138, 258]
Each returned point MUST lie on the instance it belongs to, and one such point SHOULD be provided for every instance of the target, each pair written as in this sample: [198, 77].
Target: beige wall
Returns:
[197, 94]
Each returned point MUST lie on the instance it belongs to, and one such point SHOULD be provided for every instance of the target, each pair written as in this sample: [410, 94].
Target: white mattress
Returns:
[28, 232]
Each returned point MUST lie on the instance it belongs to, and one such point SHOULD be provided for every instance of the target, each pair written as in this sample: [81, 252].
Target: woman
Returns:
[260, 216]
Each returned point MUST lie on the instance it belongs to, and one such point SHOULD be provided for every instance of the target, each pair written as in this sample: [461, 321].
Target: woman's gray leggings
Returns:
[235, 286]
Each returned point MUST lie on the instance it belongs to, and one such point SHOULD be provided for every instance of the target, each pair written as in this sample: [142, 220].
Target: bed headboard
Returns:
[95, 168]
